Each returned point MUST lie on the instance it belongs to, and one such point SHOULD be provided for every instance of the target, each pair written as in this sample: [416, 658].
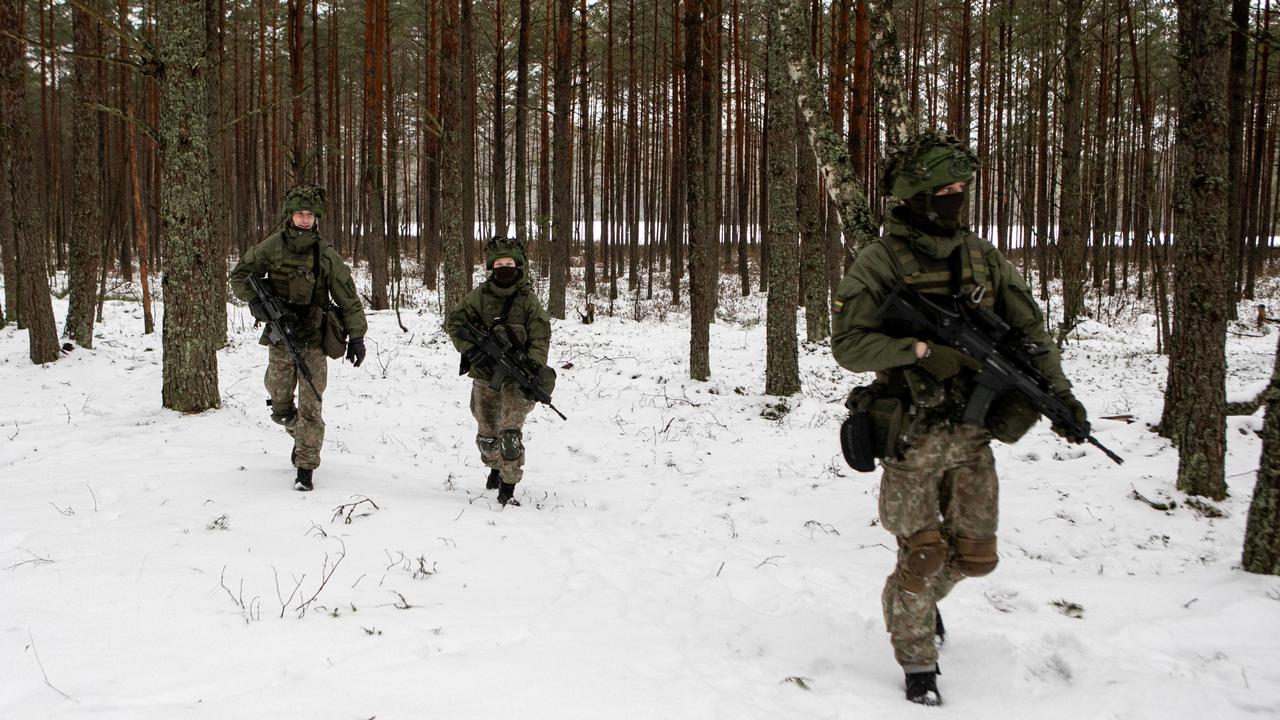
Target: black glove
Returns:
[945, 362]
[1079, 414]
[475, 357]
[258, 309]
[355, 351]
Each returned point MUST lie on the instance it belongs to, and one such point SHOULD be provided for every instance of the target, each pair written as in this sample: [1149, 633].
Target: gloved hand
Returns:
[475, 356]
[355, 351]
[258, 309]
[945, 362]
[1080, 415]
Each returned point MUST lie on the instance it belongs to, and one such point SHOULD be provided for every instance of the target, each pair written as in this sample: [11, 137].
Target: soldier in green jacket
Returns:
[304, 271]
[504, 299]
[938, 491]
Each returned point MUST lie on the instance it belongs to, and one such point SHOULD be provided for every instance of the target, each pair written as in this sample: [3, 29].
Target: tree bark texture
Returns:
[782, 370]
[457, 274]
[192, 281]
[1195, 396]
[1262, 533]
[697, 197]
[87, 222]
[843, 187]
[562, 162]
[1071, 228]
[34, 305]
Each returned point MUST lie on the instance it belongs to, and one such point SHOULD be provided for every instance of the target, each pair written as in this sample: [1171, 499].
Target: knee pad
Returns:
[487, 445]
[926, 553]
[975, 558]
[511, 444]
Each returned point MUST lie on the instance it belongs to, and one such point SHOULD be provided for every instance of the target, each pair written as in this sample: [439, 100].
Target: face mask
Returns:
[947, 208]
[505, 276]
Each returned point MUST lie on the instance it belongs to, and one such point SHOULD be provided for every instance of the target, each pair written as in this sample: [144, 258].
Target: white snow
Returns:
[677, 555]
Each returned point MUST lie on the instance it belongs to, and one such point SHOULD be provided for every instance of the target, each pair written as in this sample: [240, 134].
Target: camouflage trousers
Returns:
[941, 501]
[500, 418]
[282, 379]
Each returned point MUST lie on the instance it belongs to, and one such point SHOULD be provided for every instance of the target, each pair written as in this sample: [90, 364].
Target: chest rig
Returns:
[963, 275]
[296, 279]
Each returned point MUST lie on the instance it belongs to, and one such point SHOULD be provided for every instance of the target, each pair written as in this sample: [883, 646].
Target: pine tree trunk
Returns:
[562, 163]
[679, 164]
[192, 281]
[1071, 236]
[586, 161]
[371, 186]
[86, 241]
[1195, 398]
[782, 372]
[1262, 533]
[499, 174]
[457, 274]
[141, 236]
[35, 308]
[695, 119]
[468, 137]
[522, 125]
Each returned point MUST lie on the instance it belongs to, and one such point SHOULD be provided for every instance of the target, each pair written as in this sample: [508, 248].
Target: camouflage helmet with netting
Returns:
[500, 247]
[926, 162]
[304, 197]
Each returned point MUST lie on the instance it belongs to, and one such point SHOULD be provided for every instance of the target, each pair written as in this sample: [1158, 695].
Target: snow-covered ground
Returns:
[678, 554]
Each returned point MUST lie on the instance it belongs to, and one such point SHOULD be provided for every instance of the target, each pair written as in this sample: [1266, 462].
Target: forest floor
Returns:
[685, 549]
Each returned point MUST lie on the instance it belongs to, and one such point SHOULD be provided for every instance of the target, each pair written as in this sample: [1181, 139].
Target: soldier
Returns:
[504, 299]
[938, 490]
[304, 271]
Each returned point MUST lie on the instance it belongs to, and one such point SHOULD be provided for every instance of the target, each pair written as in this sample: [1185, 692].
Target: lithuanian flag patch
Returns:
[836, 306]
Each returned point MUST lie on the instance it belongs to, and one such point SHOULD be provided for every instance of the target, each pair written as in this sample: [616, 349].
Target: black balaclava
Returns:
[505, 277]
[935, 214]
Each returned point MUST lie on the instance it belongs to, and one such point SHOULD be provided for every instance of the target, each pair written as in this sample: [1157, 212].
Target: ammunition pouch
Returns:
[873, 428]
[926, 390]
[1010, 417]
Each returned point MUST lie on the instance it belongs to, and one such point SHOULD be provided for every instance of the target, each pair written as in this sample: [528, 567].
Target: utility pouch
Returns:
[302, 286]
[1011, 416]
[856, 440]
[873, 428]
[926, 390]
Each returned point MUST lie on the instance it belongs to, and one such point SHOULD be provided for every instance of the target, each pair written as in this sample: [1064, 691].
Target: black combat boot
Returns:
[939, 630]
[303, 483]
[922, 687]
[493, 481]
[506, 494]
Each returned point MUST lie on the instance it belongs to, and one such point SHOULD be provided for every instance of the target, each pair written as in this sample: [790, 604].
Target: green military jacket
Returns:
[528, 321]
[287, 259]
[861, 343]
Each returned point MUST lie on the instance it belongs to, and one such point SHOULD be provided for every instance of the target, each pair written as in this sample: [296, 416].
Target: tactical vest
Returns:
[297, 279]
[933, 276]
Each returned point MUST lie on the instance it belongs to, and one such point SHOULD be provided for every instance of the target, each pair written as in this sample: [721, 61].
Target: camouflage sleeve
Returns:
[468, 309]
[538, 327]
[857, 341]
[342, 288]
[252, 262]
[1018, 307]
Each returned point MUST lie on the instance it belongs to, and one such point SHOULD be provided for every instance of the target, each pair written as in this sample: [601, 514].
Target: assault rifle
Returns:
[506, 360]
[279, 331]
[1005, 355]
